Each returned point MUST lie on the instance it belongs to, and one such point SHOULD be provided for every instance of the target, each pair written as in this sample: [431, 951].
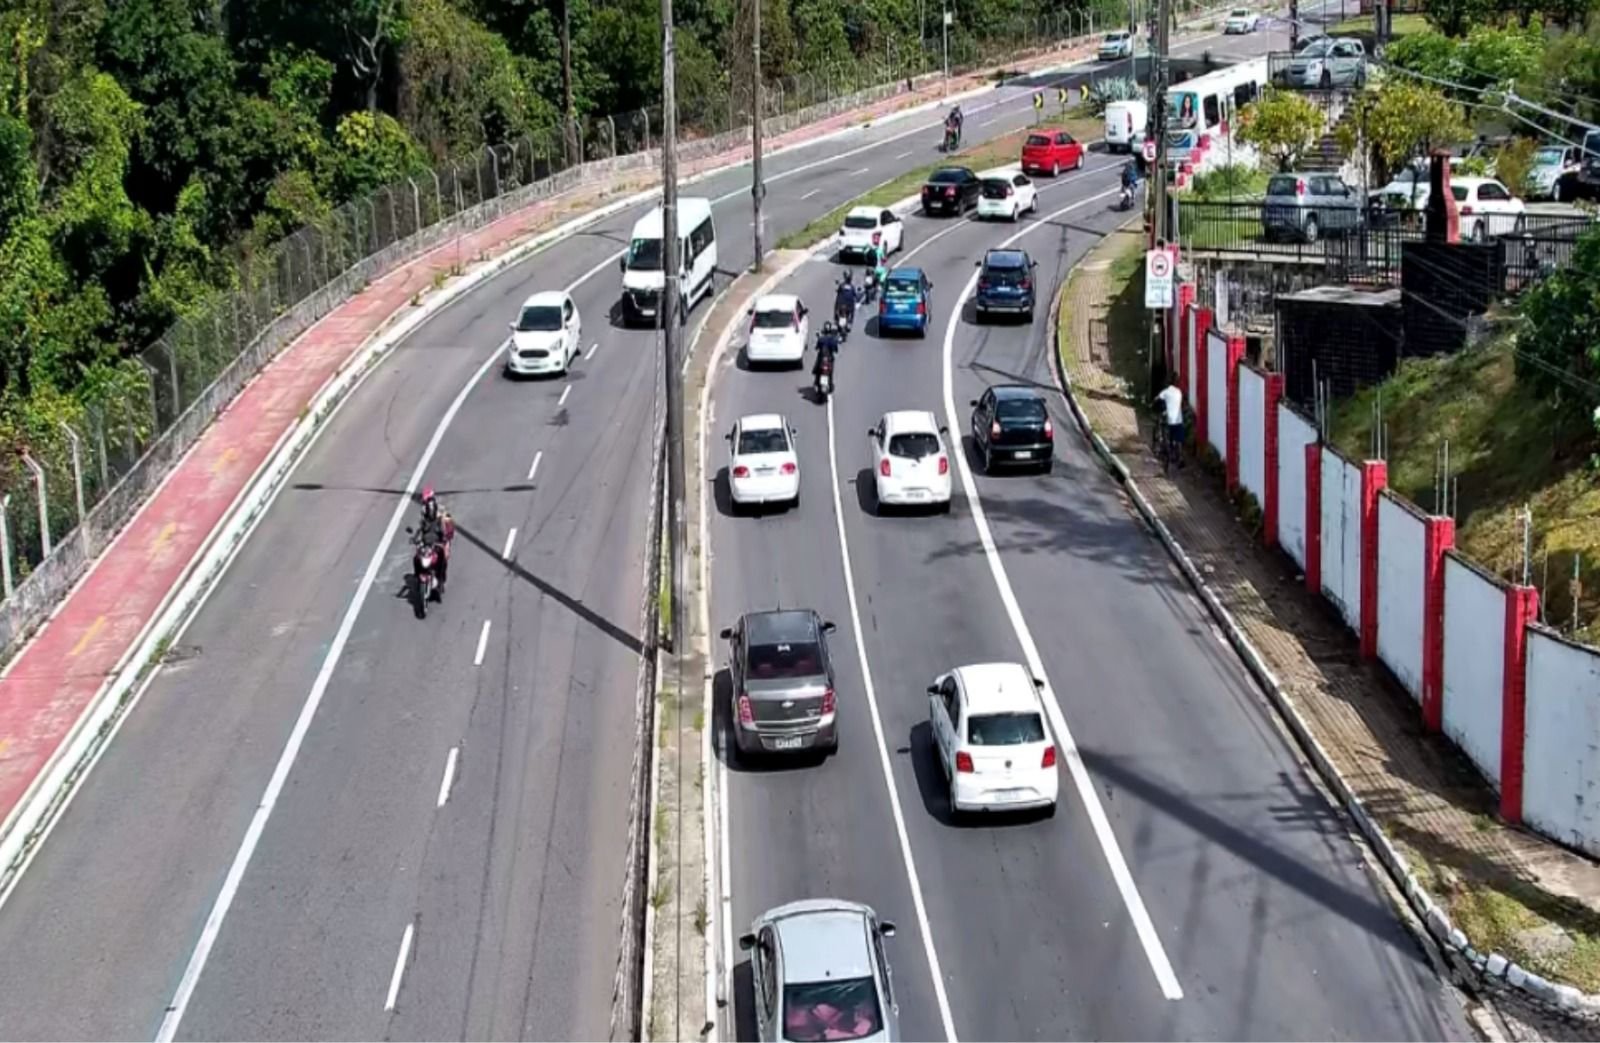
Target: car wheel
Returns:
[1048, 465]
[944, 508]
[1030, 316]
[988, 460]
[950, 803]
[1016, 212]
[1055, 168]
[1311, 230]
[1049, 810]
[922, 332]
[1078, 165]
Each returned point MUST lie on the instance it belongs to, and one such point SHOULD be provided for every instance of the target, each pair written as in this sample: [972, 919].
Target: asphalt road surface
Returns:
[455, 805]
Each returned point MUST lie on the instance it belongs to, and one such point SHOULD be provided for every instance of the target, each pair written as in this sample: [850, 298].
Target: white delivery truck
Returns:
[1125, 119]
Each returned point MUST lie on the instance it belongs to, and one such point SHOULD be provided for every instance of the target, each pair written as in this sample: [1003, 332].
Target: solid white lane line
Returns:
[291, 750]
[809, 194]
[399, 966]
[511, 541]
[564, 393]
[535, 468]
[592, 349]
[449, 776]
[883, 747]
[1148, 938]
[483, 644]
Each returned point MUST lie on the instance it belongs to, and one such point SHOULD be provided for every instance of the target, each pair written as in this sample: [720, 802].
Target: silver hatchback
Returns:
[1308, 206]
[818, 972]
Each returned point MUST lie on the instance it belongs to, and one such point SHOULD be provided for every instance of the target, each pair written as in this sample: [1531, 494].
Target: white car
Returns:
[1118, 44]
[762, 465]
[869, 226]
[546, 337]
[1241, 20]
[910, 464]
[1007, 193]
[1487, 208]
[990, 737]
[1551, 165]
[779, 331]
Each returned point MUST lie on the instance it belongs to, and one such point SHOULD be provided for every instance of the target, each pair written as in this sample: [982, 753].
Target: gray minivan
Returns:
[1305, 206]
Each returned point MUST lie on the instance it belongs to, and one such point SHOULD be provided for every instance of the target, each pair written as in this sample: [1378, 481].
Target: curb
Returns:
[1489, 973]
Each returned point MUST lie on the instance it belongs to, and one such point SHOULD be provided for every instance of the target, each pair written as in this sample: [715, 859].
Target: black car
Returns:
[1005, 283]
[951, 190]
[1010, 425]
[782, 678]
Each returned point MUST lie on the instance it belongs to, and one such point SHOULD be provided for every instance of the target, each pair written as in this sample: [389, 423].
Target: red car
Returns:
[1051, 151]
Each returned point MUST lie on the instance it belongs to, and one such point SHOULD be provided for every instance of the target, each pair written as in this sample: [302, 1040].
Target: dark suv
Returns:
[1010, 424]
[951, 190]
[1005, 283]
[782, 677]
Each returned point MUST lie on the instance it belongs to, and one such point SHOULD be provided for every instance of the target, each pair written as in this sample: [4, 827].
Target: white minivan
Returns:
[642, 278]
[1124, 120]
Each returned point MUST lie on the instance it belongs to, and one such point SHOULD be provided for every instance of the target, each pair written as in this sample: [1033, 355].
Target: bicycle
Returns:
[1161, 443]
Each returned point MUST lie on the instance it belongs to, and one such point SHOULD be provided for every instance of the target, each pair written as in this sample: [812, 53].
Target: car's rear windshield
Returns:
[948, 174]
[914, 445]
[1282, 185]
[1239, 12]
[902, 284]
[768, 440]
[1004, 729]
[1020, 409]
[996, 188]
[1037, 140]
[860, 221]
[797, 659]
[828, 1010]
[539, 318]
[774, 319]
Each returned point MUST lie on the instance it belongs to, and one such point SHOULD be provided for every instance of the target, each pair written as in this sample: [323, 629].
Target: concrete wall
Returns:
[1561, 775]
[1474, 663]
[1217, 389]
[1402, 569]
[1341, 536]
[1192, 392]
[1294, 434]
[1253, 433]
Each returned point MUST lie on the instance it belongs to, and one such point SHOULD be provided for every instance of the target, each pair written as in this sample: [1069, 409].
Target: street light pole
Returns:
[671, 331]
[946, 20]
[757, 187]
[1160, 232]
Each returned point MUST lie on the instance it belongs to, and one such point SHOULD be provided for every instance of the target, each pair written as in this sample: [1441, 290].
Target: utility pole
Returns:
[671, 331]
[1160, 232]
[758, 187]
[1294, 25]
[569, 116]
[946, 20]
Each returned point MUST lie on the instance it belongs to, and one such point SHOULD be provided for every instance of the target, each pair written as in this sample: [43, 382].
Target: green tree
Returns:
[373, 150]
[1559, 349]
[1400, 121]
[1514, 162]
[1454, 16]
[1283, 125]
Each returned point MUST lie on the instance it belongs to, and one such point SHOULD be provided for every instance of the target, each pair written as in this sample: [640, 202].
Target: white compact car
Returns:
[1487, 208]
[1115, 45]
[779, 331]
[869, 226]
[762, 465]
[990, 737]
[910, 465]
[1007, 193]
[1241, 20]
[546, 337]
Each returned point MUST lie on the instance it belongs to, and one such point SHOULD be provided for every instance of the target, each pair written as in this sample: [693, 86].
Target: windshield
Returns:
[787, 660]
[1020, 409]
[774, 320]
[831, 1010]
[1117, 37]
[1283, 185]
[1547, 156]
[996, 188]
[768, 440]
[1004, 729]
[945, 176]
[914, 445]
[1037, 140]
[645, 255]
[1316, 49]
[898, 286]
[861, 221]
[1238, 12]
[540, 318]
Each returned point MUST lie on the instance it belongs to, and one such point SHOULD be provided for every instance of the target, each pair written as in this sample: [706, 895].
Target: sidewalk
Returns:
[1508, 890]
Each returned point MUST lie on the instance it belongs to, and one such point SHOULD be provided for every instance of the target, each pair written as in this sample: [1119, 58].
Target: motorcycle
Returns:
[842, 318]
[952, 139]
[1126, 201]
[869, 286]
[425, 567]
[822, 383]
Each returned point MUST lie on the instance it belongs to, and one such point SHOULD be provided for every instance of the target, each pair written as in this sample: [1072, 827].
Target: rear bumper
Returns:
[756, 738]
[998, 208]
[897, 494]
[1016, 305]
[941, 204]
[756, 351]
[969, 794]
[1036, 453]
[777, 489]
[893, 321]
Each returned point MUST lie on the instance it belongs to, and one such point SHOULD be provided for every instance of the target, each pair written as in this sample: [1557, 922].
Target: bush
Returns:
[1559, 349]
[1117, 88]
[1235, 181]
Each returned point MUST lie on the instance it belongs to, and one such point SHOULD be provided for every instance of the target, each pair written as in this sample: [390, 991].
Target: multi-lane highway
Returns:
[327, 818]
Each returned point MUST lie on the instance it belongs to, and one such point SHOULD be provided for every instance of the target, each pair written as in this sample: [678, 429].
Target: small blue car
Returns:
[903, 304]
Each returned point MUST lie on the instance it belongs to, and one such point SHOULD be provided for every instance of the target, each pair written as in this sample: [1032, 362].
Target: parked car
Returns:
[779, 331]
[950, 190]
[1010, 424]
[1005, 283]
[1008, 194]
[1125, 122]
[990, 737]
[762, 464]
[782, 676]
[904, 302]
[1328, 62]
[1307, 206]
[868, 226]
[1487, 208]
[1554, 166]
[1408, 190]
[1051, 151]
[546, 336]
[1241, 20]
[910, 465]
[1116, 45]
[818, 972]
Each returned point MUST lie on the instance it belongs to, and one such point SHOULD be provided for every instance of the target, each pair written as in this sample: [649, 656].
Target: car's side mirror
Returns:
[511, 326]
[944, 429]
[1038, 682]
[972, 402]
[872, 432]
[933, 689]
[886, 928]
[977, 264]
[622, 263]
[829, 626]
[1033, 264]
[727, 633]
[409, 530]
[747, 942]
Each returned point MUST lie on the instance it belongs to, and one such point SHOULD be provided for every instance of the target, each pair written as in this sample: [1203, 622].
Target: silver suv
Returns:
[783, 699]
[1307, 206]
[818, 972]
[1328, 62]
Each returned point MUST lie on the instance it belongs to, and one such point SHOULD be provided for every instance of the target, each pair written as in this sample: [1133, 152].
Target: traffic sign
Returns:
[1158, 279]
[1149, 150]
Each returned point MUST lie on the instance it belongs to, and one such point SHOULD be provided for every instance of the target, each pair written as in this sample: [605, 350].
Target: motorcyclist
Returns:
[844, 301]
[437, 530]
[827, 348]
[880, 271]
[952, 127]
[1130, 174]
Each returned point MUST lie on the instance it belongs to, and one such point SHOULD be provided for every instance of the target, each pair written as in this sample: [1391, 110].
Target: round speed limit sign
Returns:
[1149, 151]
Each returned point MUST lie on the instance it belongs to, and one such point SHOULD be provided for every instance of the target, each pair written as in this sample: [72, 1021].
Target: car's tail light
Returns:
[944, 465]
[1049, 760]
[1008, 192]
[922, 309]
[994, 429]
[1466, 211]
[883, 306]
[950, 191]
[788, 468]
[1049, 428]
[964, 763]
[741, 471]
[883, 467]
[746, 715]
[983, 284]
[1027, 284]
[828, 704]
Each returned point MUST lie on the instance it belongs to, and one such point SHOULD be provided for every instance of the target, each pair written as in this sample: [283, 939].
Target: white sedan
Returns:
[869, 226]
[779, 330]
[1486, 208]
[547, 335]
[762, 464]
[1007, 193]
[910, 465]
[1241, 20]
[990, 738]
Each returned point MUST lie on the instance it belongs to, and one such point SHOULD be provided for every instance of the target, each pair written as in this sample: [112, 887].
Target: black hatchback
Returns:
[1010, 425]
[951, 190]
[1005, 283]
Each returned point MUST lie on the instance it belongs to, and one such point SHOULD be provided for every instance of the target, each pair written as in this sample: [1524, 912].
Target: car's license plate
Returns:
[788, 742]
[763, 470]
[1023, 454]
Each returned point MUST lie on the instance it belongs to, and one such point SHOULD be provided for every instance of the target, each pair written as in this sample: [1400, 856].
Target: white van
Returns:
[642, 278]
[1124, 120]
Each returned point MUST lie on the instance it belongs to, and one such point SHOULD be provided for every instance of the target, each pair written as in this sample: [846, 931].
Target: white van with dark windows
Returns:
[642, 278]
